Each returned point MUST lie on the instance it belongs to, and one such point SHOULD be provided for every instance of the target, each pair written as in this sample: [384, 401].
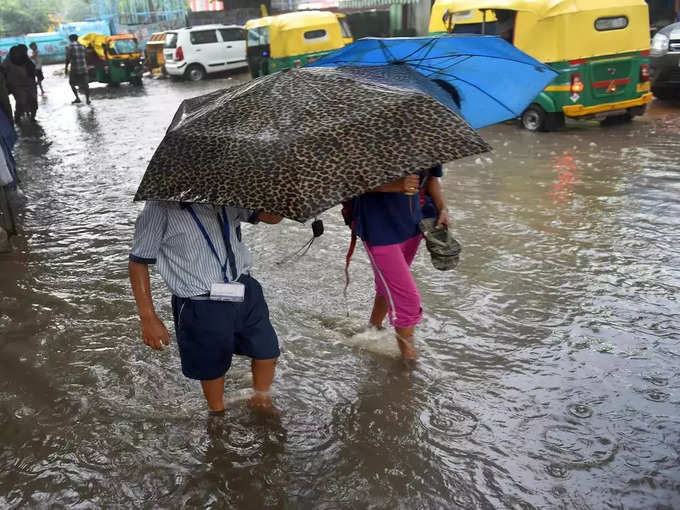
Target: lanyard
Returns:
[224, 224]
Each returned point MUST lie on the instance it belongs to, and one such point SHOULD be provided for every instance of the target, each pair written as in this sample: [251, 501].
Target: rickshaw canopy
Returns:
[103, 44]
[559, 30]
[97, 41]
[291, 33]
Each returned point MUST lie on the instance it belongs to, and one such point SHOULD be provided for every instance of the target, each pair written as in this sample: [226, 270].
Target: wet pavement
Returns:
[550, 358]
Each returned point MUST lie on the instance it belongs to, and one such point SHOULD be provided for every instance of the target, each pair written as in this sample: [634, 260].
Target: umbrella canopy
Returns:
[495, 80]
[300, 141]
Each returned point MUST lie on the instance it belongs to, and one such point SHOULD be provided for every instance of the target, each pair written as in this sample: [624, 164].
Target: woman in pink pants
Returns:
[386, 219]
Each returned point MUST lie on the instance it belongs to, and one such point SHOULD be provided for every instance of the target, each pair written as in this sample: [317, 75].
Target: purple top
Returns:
[389, 218]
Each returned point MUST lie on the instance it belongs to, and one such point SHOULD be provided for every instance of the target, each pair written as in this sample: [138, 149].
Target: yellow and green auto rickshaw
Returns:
[113, 59]
[600, 50]
[293, 39]
[154, 59]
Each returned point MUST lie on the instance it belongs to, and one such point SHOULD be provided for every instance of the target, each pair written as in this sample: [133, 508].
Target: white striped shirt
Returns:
[167, 235]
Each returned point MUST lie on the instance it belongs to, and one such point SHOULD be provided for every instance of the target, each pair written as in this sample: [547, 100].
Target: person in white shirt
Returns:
[34, 55]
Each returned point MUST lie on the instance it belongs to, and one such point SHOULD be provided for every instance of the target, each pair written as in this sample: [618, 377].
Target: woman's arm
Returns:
[434, 189]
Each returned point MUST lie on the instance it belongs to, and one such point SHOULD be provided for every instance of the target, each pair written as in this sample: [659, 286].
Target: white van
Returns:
[196, 51]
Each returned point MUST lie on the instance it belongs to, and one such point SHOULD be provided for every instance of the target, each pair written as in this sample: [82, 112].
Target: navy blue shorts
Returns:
[209, 332]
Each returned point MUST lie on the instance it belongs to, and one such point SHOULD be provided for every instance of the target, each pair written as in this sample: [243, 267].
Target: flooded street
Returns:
[549, 374]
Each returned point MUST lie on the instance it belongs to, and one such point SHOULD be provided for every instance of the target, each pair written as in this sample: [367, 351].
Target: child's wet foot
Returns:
[407, 348]
[261, 401]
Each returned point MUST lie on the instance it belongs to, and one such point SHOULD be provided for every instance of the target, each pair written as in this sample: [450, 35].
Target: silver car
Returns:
[665, 62]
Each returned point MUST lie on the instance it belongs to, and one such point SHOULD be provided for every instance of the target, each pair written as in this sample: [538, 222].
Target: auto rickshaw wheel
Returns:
[195, 72]
[534, 118]
[137, 82]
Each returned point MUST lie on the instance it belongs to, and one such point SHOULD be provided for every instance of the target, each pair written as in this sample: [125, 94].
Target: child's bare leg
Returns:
[263, 376]
[406, 342]
[379, 311]
[214, 393]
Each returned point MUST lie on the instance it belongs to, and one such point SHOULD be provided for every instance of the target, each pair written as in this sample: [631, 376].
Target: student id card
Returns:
[234, 291]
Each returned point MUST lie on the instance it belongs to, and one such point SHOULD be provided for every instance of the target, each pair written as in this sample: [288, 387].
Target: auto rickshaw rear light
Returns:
[644, 72]
[179, 54]
[297, 63]
[576, 84]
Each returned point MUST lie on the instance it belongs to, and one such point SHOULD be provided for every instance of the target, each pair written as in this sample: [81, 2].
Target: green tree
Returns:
[21, 17]
[18, 17]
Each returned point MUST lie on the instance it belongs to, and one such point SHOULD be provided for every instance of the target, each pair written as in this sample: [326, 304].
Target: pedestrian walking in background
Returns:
[78, 79]
[20, 74]
[8, 176]
[34, 55]
[219, 309]
[5, 105]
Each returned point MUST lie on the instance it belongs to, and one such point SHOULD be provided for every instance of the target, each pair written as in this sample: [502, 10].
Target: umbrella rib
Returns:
[478, 88]
[429, 43]
[314, 87]
[387, 52]
[469, 55]
[482, 56]
[446, 68]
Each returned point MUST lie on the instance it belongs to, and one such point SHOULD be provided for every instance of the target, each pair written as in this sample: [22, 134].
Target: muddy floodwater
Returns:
[549, 374]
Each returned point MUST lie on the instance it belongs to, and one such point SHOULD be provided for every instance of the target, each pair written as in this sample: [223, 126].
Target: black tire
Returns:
[195, 72]
[534, 118]
[554, 121]
[137, 82]
[664, 93]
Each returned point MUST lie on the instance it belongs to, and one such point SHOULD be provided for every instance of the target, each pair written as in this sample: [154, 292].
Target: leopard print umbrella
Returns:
[298, 142]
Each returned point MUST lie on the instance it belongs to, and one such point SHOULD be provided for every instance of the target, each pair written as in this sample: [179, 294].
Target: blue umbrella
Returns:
[491, 80]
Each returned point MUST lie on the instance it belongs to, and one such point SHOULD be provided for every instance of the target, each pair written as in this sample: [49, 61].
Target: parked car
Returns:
[665, 62]
[194, 52]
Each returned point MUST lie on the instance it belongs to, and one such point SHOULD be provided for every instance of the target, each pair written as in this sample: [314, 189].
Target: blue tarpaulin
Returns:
[492, 80]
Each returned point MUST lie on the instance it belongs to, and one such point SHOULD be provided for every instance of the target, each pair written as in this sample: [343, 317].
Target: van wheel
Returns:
[195, 72]
[534, 118]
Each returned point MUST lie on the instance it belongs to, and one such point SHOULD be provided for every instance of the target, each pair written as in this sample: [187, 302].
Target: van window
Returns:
[171, 40]
[258, 36]
[233, 34]
[611, 23]
[312, 35]
[203, 37]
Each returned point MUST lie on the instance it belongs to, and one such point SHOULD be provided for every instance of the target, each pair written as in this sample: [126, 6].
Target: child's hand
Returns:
[154, 333]
[443, 219]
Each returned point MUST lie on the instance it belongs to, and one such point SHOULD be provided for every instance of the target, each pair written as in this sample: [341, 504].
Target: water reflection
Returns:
[548, 366]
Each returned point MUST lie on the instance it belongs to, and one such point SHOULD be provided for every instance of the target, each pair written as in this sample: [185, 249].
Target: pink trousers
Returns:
[394, 281]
